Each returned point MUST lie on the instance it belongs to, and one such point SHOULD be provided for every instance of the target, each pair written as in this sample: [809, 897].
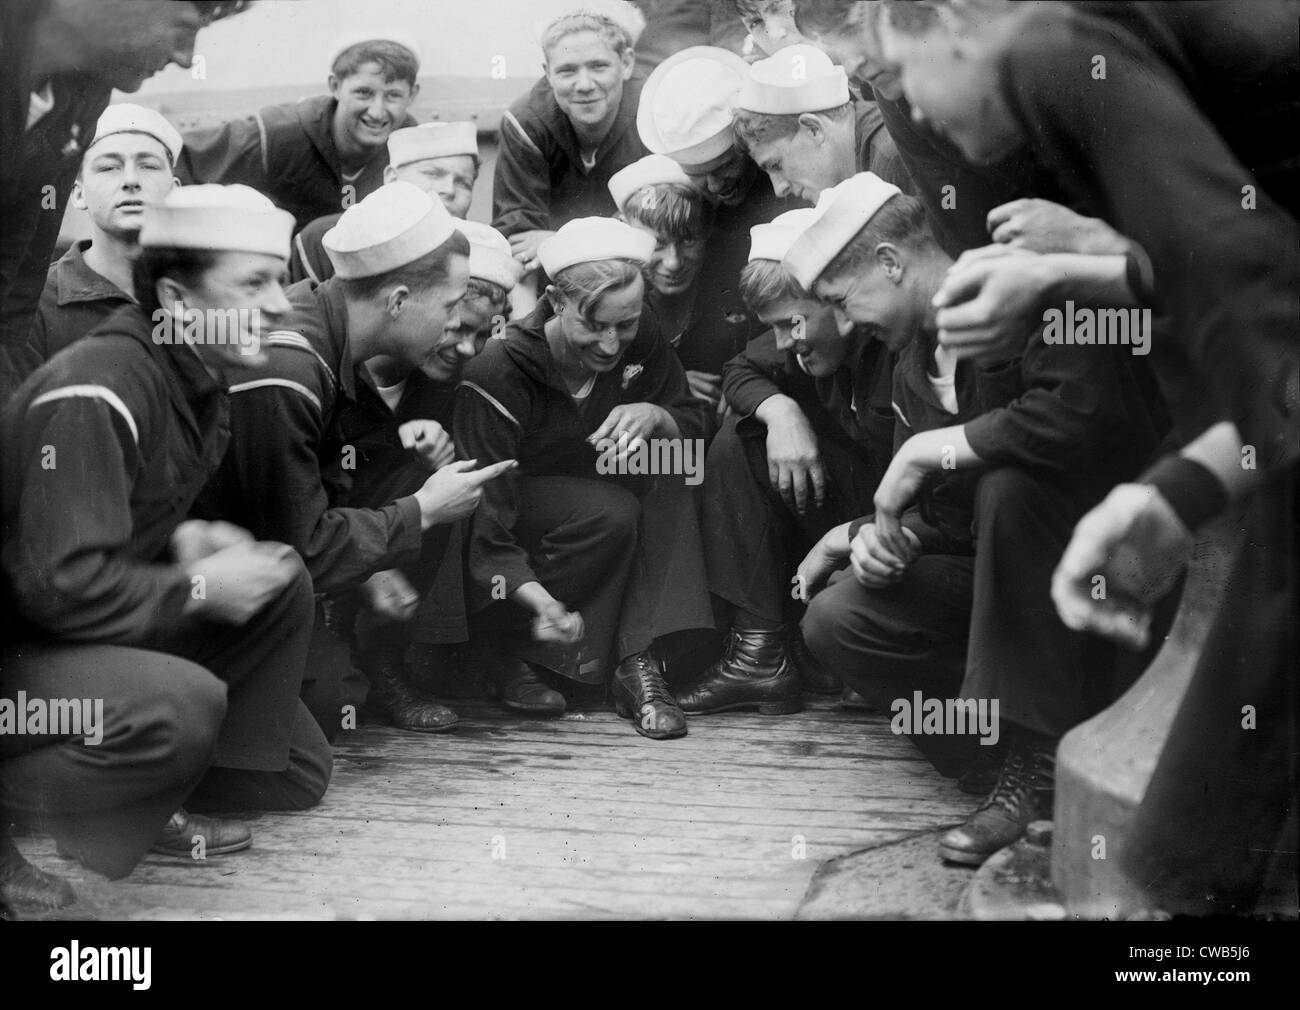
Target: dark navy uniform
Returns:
[104, 450]
[287, 152]
[75, 300]
[753, 540]
[540, 181]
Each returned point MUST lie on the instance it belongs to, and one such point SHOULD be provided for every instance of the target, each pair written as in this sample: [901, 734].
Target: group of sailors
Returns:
[416, 441]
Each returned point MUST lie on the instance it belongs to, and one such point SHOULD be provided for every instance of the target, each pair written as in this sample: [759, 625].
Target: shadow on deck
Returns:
[825, 814]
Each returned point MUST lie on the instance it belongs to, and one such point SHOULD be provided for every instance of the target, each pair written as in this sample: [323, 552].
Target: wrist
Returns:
[1189, 488]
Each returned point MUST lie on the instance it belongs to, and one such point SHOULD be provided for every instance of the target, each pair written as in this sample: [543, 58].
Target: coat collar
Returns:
[75, 282]
[558, 125]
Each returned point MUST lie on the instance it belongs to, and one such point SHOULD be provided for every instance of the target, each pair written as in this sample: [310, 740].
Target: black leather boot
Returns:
[641, 695]
[754, 670]
[1024, 793]
[393, 701]
[516, 685]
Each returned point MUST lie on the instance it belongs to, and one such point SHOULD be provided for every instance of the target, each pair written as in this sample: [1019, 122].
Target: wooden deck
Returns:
[573, 818]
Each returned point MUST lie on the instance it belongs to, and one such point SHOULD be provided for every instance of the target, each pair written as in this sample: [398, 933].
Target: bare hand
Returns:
[1125, 555]
[991, 303]
[455, 490]
[628, 426]
[429, 441]
[705, 386]
[389, 594]
[234, 584]
[197, 538]
[554, 623]
[1046, 227]
[794, 463]
[814, 569]
[875, 563]
[523, 246]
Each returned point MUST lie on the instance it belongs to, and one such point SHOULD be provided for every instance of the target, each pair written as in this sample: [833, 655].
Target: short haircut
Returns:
[494, 293]
[746, 8]
[900, 222]
[156, 262]
[764, 127]
[674, 212]
[429, 271]
[585, 284]
[766, 282]
[822, 17]
[396, 62]
[614, 34]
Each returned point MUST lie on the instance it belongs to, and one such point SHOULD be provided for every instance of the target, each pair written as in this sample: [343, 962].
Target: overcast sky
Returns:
[289, 41]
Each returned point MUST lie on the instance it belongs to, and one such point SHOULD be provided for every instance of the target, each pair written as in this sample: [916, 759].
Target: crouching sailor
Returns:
[579, 567]
[193, 635]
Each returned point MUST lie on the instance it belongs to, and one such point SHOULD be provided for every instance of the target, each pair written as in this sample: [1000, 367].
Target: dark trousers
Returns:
[1223, 786]
[985, 623]
[753, 541]
[212, 721]
[632, 567]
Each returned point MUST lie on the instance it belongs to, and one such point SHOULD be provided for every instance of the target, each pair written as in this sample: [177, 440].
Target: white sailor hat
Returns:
[393, 226]
[490, 258]
[129, 118]
[687, 102]
[841, 212]
[355, 37]
[799, 78]
[652, 170]
[223, 218]
[773, 240]
[431, 140]
[587, 239]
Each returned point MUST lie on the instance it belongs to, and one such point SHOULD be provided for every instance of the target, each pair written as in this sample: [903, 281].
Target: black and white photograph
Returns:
[767, 461]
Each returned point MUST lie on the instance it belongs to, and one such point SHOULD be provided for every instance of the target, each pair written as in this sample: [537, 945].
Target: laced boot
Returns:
[393, 701]
[754, 670]
[1024, 792]
[641, 695]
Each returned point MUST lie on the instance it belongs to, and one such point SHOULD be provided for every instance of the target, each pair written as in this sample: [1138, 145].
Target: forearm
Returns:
[534, 596]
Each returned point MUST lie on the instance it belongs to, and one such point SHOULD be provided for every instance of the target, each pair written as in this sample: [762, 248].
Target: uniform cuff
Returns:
[1192, 491]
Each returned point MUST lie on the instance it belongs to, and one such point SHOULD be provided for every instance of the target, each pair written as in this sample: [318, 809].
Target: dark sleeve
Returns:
[663, 381]
[226, 154]
[521, 184]
[307, 257]
[483, 432]
[1234, 303]
[69, 560]
[1070, 414]
[751, 376]
[277, 477]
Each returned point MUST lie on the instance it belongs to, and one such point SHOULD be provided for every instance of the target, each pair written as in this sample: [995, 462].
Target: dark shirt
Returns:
[308, 260]
[540, 182]
[513, 404]
[1227, 277]
[37, 169]
[75, 300]
[289, 468]
[104, 450]
[287, 152]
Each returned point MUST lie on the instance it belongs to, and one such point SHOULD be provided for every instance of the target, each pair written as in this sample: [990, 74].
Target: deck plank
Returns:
[571, 818]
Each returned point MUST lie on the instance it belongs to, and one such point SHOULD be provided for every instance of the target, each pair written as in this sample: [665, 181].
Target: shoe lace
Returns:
[1022, 772]
[650, 686]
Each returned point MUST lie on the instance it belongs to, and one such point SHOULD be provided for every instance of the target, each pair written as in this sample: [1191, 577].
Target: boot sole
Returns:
[532, 709]
[219, 850]
[764, 707]
[964, 858]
